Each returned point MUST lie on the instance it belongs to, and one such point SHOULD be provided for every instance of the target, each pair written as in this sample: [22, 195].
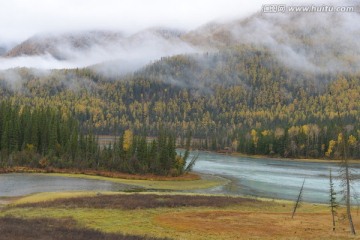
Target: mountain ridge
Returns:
[312, 42]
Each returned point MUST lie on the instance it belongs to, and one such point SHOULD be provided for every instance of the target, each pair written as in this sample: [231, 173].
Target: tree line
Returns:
[308, 141]
[48, 137]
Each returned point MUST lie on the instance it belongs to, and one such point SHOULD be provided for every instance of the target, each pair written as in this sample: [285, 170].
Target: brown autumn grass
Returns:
[256, 225]
[184, 177]
[196, 217]
[56, 229]
[141, 201]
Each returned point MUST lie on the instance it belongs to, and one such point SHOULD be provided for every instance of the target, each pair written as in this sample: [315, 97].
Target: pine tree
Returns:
[5, 137]
[142, 154]
[154, 157]
[187, 144]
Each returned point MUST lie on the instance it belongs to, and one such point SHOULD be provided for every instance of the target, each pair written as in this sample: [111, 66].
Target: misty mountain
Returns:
[306, 41]
[117, 52]
[139, 49]
[60, 46]
[309, 42]
[267, 80]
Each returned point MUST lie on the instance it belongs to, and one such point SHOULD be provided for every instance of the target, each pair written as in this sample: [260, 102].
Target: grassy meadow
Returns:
[169, 216]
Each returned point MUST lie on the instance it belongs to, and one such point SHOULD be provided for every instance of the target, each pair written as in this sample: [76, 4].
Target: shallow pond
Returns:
[18, 184]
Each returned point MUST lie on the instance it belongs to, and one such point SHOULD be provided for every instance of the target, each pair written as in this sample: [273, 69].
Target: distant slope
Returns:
[114, 52]
[59, 45]
[305, 41]
[310, 41]
[265, 81]
[62, 46]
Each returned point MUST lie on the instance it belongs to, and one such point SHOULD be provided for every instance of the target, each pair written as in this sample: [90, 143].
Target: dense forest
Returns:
[49, 138]
[241, 97]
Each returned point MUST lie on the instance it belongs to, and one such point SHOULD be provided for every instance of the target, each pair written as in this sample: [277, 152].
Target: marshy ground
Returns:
[166, 216]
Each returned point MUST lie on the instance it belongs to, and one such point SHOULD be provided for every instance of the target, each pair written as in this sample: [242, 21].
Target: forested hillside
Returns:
[240, 97]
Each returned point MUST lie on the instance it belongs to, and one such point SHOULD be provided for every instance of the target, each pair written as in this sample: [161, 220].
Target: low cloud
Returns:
[112, 58]
[315, 42]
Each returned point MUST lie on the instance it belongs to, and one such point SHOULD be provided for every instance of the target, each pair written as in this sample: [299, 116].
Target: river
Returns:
[271, 178]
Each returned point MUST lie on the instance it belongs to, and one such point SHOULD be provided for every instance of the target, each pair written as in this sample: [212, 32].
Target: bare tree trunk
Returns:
[346, 176]
[333, 203]
[347, 181]
[298, 201]
[348, 195]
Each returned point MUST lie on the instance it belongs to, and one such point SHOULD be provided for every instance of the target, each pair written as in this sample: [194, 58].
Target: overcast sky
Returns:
[20, 19]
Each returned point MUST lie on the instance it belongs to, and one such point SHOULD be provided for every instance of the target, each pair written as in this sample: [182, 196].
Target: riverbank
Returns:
[264, 157]
[102, 173]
